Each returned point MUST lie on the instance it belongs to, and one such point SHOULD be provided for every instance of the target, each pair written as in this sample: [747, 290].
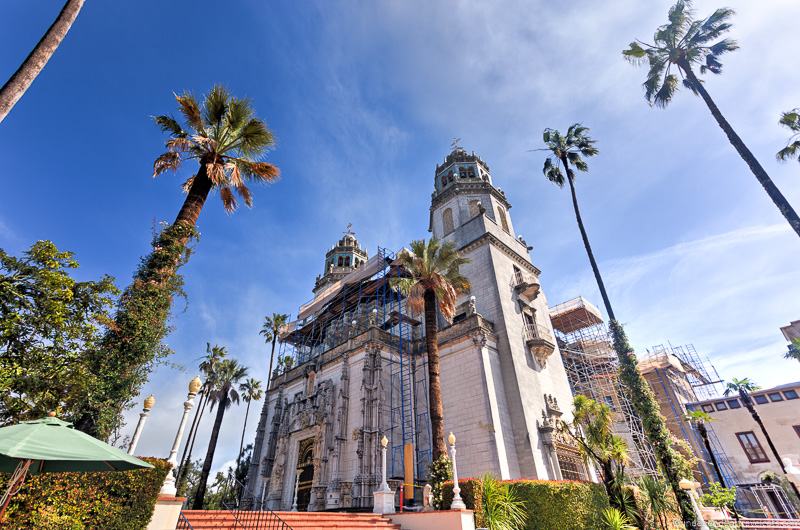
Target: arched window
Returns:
[347, 261]
[447, 221]
[474, 209]
[501, 213]
[340, 261]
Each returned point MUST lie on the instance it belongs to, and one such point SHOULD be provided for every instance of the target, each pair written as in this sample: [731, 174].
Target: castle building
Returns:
[359, 367]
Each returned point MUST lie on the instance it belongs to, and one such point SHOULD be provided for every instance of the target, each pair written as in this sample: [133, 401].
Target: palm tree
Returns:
[686, 43]
[433, 282]
[270, 330]
[656, 498]
[214, 355]
[33, 64]
[791, 120]
[227, 373]
[226, 140]
[592, 430]
[250, 391]
[744, 387]
[698, 419]
[793, 351]
[567, 151]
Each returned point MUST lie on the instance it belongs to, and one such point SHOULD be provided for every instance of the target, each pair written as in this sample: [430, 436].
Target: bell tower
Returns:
[469, 210]
[342, 258]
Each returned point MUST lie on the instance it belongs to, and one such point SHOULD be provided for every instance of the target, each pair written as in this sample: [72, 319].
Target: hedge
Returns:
[551, 505]
[112, 500]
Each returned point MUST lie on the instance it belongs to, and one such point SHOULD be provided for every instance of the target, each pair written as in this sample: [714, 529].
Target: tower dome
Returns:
[343, 258]
[460, 166]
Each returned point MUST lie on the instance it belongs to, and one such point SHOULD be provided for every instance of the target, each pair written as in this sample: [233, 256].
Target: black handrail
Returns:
[183, 523]
[264, 519]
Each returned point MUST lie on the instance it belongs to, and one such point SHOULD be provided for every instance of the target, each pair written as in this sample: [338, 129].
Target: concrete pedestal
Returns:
[383, 502]
[440, 520]
[166, 513]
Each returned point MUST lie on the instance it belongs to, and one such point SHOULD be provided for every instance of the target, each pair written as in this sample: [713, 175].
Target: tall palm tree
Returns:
[250, 391]
[214, 355]
[433, 282]
[270, 330]
[685, 43]
[698, 419]
[744, 387]
[33, 64]
[227, 141]
[791, 120]
[568, 152]
[226, 375]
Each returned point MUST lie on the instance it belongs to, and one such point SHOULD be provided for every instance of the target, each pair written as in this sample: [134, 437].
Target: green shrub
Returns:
[113, 500]
[549, 505]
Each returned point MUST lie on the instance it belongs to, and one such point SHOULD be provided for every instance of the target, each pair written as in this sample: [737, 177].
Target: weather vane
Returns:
[455, 144]
[349, 229]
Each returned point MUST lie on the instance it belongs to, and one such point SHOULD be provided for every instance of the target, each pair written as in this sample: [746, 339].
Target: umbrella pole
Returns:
[14, 484]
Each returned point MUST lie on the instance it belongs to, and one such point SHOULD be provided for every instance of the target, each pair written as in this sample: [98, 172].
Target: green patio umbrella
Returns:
[50, 445]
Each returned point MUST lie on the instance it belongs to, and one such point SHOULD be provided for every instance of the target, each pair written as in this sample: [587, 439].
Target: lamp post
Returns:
[296, 489]
[457, 503]
[168, 488]
[383, 497]
[149, 401]
[690, 486]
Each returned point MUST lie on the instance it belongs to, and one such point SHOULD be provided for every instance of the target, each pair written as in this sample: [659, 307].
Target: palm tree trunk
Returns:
[701, 428]
[757, 418]
[769, 186]
[37, 59]
[196, 198]
[255, 460]
[244, 428]
[638, 390]
[212, 447]
[186, 457]
[434, 379]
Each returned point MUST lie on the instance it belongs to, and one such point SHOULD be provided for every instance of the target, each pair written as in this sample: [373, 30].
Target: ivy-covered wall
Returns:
[113, 500]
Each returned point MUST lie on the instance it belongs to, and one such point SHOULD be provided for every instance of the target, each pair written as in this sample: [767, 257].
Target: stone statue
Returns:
[427, 498]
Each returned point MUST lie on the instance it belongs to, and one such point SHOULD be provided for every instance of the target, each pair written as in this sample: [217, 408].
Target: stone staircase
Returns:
[224, 520]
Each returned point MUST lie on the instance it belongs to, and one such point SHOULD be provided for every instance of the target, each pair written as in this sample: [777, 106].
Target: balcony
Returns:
[526, 286]
[540, 342]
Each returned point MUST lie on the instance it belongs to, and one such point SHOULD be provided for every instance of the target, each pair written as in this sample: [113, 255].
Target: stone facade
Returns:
[502, 376]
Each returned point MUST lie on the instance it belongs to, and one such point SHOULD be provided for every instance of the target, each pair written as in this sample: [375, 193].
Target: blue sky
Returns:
[364, 98]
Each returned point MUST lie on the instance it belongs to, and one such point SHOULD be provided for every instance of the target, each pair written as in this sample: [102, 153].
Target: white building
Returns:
[747, 449]
[359, 366]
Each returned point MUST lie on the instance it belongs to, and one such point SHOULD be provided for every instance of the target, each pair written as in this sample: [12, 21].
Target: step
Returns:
[224, 520]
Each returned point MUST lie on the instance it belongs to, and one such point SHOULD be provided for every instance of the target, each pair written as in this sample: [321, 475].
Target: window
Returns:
[734, 404]
[790, 394]
[708, 408]
[447, 221]
[720, 405]
[466, 172]
[340, 261]
[760, 399]
[474, 208]
[518, 278]
[347, 261]
[571, 466]
[775, 396]
[530, 320]
[752, 448]
[501, 213]
[609, 401]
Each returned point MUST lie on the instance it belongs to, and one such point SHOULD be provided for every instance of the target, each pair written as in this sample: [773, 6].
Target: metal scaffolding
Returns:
[593, 370]
[366, 300]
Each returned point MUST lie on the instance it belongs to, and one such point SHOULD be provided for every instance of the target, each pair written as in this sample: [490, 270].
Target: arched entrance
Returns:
[305, 464]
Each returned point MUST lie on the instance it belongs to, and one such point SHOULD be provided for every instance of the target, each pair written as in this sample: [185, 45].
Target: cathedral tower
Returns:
[342, 259]
[516, 386]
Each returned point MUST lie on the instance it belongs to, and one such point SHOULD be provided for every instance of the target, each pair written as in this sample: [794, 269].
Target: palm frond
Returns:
[191, 111]
[215, 105]
[187, 185]
[166, 161]
[228, 200]
[169, 125]
[664, 94]
[261, 171]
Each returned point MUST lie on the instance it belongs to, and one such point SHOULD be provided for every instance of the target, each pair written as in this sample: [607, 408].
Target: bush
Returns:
[549, 505]
[113, 500]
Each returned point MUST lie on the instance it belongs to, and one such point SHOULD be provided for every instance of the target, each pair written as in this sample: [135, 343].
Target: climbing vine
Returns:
[132, 344]
[646, 406]
[440, 471]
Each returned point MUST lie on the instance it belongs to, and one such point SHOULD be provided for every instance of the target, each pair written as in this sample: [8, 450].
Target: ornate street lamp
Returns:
[149, 401]
[457, 503]
[168, 488]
